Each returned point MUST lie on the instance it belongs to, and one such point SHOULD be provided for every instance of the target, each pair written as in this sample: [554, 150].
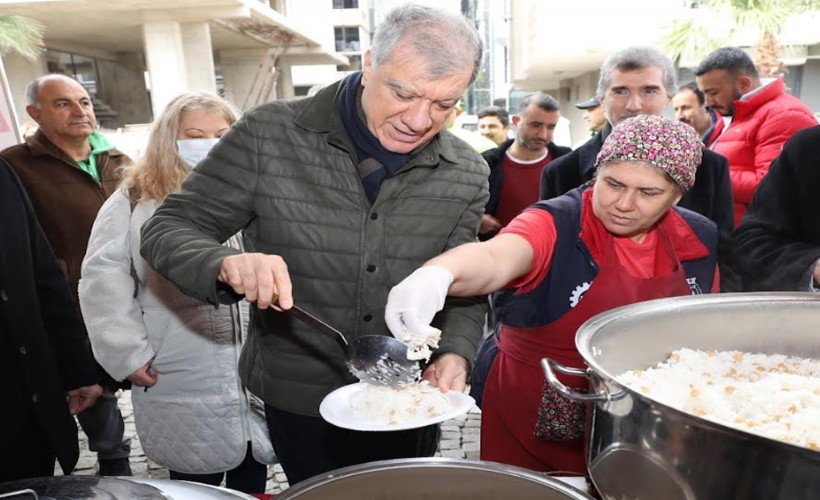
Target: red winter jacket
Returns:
[761, 125]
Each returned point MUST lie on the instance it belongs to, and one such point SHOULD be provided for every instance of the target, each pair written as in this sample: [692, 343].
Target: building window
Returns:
[347, 39]
[81, 68]
[345, 4]
[355, 63]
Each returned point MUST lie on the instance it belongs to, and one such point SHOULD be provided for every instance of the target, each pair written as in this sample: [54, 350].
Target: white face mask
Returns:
[193, 151]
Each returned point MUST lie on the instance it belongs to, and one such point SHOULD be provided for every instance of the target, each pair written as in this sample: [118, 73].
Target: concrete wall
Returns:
[239, 67]
[810, 88]
[573, 91]
[20, 71]
[122, 86]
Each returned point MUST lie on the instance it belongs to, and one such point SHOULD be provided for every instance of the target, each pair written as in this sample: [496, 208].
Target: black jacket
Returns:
[43, 347]
[495, 158]
[778, 241]
[711, 196]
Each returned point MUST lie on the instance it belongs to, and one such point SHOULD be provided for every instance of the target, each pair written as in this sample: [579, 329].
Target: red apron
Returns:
[513, 391]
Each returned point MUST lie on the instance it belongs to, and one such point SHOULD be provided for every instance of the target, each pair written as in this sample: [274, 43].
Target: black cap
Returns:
[591, 103]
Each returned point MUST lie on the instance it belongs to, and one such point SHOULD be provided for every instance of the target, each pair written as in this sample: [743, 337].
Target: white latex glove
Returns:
[412, 303]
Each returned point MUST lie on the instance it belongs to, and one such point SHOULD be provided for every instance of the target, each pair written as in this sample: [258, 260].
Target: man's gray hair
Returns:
[633, 59]
[448, 40]
[33, 87]
[540, 99]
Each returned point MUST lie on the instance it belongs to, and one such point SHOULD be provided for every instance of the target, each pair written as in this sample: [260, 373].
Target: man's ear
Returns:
[744, 83]
[34, 113]
[367, 67]
[515, 120]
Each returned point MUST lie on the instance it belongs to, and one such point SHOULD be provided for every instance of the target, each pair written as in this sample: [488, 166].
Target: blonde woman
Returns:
[192, 413]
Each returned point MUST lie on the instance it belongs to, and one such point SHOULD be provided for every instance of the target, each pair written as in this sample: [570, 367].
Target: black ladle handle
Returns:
[318, 324]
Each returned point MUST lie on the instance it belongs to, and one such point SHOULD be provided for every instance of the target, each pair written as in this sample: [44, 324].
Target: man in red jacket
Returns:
[759, 114]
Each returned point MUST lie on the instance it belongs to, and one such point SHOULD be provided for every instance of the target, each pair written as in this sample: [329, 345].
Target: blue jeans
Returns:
[249, 477]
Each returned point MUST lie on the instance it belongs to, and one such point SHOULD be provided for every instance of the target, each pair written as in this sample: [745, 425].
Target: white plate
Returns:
[335, 408]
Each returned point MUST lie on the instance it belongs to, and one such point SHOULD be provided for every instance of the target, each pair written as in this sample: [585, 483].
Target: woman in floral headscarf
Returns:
[617, 241]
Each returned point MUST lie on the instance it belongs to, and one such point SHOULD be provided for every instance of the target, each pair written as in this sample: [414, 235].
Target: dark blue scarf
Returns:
[375, 163]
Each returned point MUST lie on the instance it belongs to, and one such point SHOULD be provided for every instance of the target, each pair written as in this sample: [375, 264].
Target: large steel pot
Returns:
[641, 449]
[421, 478]
[113, 488]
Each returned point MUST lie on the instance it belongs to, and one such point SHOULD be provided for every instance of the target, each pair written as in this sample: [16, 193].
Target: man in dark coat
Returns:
[777, 246]
[515, 166]
[641, 80]
[69, 169]
[44, 353]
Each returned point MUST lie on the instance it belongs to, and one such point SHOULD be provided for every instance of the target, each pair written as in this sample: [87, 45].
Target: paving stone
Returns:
[86, 462]
[139, 468]
[452, 453]
[445, 435]
[468, 447]
[471, 434]
[449, 444]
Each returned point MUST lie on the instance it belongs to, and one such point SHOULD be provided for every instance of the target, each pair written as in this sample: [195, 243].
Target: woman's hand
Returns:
[144, 377]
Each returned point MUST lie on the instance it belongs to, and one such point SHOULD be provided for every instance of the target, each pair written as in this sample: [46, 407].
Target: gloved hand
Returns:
[412, 303]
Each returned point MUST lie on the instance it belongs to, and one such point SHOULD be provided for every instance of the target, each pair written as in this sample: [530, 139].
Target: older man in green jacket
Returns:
[340, 197]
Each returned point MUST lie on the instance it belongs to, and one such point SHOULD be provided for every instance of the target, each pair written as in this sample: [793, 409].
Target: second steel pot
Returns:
[642, 449]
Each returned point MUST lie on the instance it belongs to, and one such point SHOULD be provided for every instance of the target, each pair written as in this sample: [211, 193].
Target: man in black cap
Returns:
[593, 114]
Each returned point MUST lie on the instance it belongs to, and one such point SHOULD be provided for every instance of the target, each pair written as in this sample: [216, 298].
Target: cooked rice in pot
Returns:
[771, 395]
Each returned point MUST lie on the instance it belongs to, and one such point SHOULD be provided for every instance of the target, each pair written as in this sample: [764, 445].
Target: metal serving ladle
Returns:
[375, 359]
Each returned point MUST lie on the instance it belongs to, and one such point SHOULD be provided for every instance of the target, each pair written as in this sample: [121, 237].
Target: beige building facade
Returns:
[558, 47]
[134, 56]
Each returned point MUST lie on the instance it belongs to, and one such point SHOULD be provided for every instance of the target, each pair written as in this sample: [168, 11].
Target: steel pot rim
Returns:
[432, 462]
[585, 337]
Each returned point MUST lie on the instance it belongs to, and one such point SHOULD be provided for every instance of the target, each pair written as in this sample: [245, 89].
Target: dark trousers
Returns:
[103, 425]
[308, 446]
[249, 477]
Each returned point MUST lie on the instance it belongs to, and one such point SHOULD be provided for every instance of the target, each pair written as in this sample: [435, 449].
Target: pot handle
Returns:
[550, 366]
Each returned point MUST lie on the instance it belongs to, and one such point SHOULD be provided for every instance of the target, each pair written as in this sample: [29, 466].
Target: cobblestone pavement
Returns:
[459, 439]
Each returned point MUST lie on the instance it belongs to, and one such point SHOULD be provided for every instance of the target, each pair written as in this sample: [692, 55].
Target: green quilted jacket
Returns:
[285, 175]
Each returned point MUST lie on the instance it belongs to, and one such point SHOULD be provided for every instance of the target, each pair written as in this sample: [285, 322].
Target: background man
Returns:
[640, 81]
[593, 114]
[777, 246]
[340, 197]
[68, 170]
[690, 108]
[516, 165]
[759, 114]
[477, 141]
[44, 351]
[494, 124]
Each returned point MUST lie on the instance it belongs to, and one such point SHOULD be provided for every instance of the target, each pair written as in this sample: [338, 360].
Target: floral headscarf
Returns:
[670, 145]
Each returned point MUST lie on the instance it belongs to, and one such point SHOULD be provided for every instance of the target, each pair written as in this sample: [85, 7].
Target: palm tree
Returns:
[21, 35]
[706, 29]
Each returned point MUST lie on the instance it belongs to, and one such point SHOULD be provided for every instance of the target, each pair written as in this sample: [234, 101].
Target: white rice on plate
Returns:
[403, 405]
[771, 395]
